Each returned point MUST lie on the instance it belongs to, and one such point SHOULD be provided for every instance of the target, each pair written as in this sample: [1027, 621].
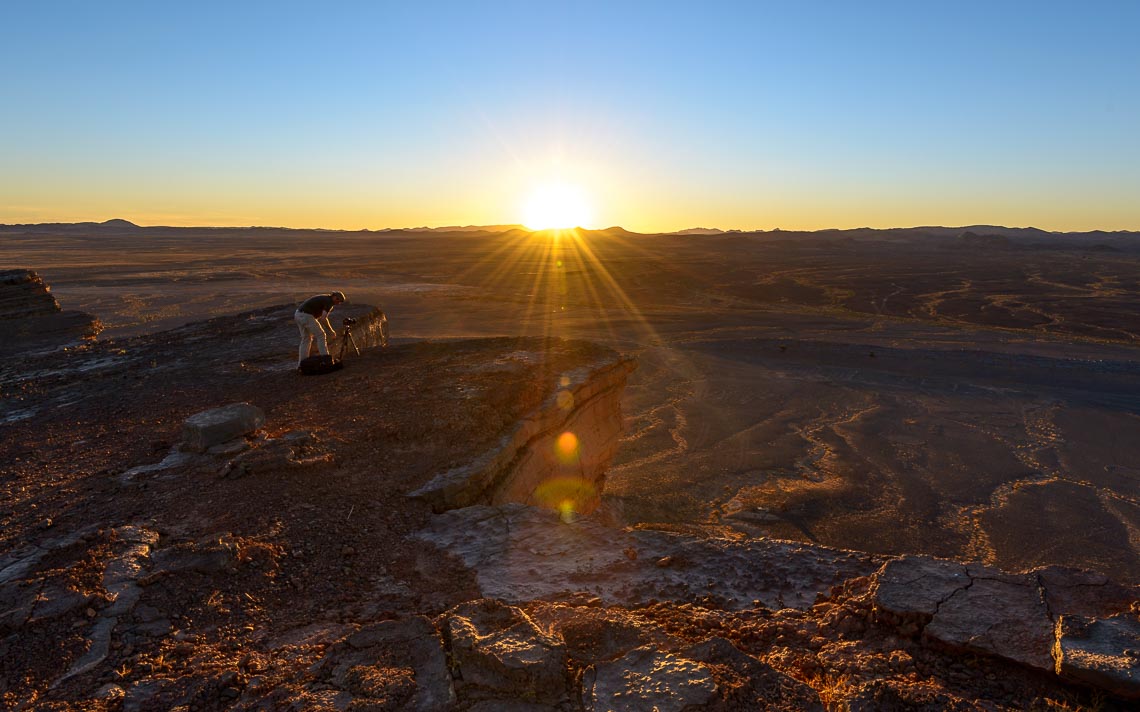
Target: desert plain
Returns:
[970, 393]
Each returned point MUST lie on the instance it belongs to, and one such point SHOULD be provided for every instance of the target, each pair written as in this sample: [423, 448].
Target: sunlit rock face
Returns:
[30, 317]
[556, 457]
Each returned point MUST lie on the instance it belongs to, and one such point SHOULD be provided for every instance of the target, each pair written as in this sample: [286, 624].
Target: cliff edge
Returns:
[31, 318]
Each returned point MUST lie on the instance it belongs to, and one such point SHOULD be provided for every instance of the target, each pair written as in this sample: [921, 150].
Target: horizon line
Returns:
[505, 227]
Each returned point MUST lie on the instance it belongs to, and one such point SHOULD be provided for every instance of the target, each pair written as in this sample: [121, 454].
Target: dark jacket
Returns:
[318, 305]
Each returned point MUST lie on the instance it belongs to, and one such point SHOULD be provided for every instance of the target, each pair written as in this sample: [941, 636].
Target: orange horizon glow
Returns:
[340, 223]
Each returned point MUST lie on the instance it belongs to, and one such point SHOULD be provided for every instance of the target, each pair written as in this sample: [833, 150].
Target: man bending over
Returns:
[312, 319]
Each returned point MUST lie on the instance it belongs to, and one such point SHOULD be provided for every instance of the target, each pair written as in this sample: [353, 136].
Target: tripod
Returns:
[347, 339]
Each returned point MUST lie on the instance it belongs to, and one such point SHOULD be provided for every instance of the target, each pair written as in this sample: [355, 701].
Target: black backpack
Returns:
[319, 365]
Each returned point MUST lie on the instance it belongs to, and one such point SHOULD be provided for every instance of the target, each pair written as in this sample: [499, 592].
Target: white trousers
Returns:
[310, 330]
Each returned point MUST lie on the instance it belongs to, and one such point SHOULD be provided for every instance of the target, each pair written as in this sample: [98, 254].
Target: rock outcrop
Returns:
[31, 318]
[1035, 618]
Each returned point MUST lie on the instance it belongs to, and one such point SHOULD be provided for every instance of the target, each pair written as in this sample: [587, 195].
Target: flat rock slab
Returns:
[999, 615]
[648, 679]
[1104, 653]
[204, 430]
[523, 553]
[982, 609]
[917, 586]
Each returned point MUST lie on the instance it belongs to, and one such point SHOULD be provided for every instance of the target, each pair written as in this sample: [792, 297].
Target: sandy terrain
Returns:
[966, 396]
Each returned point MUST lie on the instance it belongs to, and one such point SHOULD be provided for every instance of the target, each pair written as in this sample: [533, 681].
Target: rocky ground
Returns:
[289, 569]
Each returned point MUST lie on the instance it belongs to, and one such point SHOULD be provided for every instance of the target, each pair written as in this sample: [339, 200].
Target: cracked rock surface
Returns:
[1031, 618]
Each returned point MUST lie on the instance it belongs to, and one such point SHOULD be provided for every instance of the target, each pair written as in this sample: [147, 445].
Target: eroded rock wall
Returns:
[555, 458]
[31, 317]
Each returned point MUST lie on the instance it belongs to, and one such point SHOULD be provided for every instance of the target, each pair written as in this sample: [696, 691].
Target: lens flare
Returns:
[569, 496]
[566, 448]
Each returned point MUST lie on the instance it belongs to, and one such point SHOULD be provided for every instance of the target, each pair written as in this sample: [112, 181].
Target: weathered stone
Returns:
[210, 555]
[913, 587]
[999, 615]
[755, 680]
[17, 601]
[145, 695]
[204, 430]
[497, 650]
[1103, 653]
[591, 640]
[226, 449]
[392, 687]
[648, 679]
[373, 665]
[56, 600]
[111, 692]
[974, 607]
[30, 317]
[1085, 593]
[120, 580]
[508, 545]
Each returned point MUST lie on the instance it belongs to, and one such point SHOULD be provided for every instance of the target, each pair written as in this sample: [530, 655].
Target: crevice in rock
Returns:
[512, 470]
[946, 599]
[1043, 593]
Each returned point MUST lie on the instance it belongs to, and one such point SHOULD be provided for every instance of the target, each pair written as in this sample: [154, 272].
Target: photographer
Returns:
[312, 319]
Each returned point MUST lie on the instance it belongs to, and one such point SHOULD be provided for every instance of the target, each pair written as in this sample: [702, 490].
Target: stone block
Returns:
[204, 430]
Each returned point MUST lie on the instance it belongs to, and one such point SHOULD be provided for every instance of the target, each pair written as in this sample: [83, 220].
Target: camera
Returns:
[348, 321]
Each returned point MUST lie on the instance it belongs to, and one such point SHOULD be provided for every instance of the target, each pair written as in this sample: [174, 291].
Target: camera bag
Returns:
[320, 365]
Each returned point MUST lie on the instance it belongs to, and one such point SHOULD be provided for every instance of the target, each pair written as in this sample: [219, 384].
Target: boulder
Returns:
[648, 679]
[204, 430]
[1104, 653]
[498, 652]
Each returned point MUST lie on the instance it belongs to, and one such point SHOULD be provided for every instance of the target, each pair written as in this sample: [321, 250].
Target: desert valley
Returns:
[970, 394]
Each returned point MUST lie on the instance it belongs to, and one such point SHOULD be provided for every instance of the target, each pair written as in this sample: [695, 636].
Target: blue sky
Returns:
[669, 115]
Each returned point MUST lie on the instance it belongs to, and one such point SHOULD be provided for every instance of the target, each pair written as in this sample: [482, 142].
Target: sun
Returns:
[556, 205]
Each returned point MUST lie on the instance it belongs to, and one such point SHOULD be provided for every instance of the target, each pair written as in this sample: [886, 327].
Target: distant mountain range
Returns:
[989, 236]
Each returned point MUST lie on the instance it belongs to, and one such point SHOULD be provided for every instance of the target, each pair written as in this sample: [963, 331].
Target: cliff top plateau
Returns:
[189, 524]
